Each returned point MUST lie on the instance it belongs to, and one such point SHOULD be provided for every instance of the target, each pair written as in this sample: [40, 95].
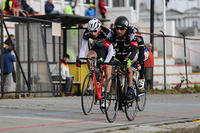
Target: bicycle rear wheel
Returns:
[88, 94]
[141, 98]
[111, 99]
[131, 105]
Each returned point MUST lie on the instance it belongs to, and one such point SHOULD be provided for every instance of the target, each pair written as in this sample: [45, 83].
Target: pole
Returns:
[2, 51]
[152, 30]
[185, 58]
[164, 16]
[152, 25]
[164, 54]
[29, 56]
[59, 39]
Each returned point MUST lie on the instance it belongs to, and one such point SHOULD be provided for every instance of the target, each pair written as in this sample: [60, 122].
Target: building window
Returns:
[105, 2]
[132, 3]
[194, 23]
[118, 3]
[89, 1]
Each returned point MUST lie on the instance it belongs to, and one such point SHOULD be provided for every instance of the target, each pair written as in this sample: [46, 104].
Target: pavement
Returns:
[64, 115]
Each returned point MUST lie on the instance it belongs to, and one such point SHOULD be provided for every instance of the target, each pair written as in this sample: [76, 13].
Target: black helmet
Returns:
[121, 21]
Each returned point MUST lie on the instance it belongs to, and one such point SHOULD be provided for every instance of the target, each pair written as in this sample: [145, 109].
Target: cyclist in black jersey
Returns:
[126, 45]
[141, 57]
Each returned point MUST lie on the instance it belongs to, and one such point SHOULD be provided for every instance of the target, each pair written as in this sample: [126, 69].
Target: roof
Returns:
[192, 10]
[64, 19]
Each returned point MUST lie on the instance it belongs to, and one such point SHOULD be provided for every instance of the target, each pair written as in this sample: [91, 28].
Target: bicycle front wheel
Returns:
[141, 98]
[88, 94]
[111, 99]
[131, 104]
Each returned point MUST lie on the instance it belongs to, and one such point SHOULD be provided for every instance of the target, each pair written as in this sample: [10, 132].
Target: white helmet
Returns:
[94, 24]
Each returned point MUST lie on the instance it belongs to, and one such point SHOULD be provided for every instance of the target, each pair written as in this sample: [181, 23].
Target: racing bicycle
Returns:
[93, 86]
[116, 96]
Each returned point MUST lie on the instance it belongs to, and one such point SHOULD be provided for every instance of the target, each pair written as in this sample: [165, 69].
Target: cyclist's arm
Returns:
[110, 54]
[133, 49]
[83, 49]
[141, 50]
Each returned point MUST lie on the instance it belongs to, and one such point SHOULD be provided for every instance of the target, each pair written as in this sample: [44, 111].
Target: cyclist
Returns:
[126, 45]
[97, 48]
[142, 57]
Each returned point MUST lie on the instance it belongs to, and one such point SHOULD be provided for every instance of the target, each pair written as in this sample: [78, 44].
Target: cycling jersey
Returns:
[125, 45]
[97, 44]
[141, 46]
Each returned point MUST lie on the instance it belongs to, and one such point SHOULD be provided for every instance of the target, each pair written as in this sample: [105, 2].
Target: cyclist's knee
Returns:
[92, 54]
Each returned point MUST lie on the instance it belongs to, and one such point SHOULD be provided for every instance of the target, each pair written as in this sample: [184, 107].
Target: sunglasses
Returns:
[120, 28]
[93, 30]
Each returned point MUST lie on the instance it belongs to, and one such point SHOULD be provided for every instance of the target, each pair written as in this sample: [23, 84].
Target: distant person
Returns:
[27, 8]
[16, 8]
[8, 59]
[102, 9]
[7, 6]
[68, 9]
[148, 68]
[90, 12]
[10, 43]
[65, 74]
[49, 8]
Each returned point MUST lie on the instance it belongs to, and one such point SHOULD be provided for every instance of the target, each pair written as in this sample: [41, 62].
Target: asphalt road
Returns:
[64, 114]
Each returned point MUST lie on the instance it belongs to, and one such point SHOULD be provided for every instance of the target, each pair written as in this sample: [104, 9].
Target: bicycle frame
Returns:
[98, 86]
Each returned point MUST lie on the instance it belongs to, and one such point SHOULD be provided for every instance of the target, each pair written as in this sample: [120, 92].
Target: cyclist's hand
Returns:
[101, 60]
[78, 62]
[128, 63]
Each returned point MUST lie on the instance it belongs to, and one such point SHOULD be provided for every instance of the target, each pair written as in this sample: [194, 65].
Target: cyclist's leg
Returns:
[130, 92]
[108, 75]
[130, 77]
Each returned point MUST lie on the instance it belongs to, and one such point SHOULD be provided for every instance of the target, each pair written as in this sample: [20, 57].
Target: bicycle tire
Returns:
[100, 103]
[141, 99]
[111, 99]
[131, 105]
[88, 94]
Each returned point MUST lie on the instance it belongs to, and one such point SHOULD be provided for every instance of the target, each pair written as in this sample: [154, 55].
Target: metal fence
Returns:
[176, 57]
